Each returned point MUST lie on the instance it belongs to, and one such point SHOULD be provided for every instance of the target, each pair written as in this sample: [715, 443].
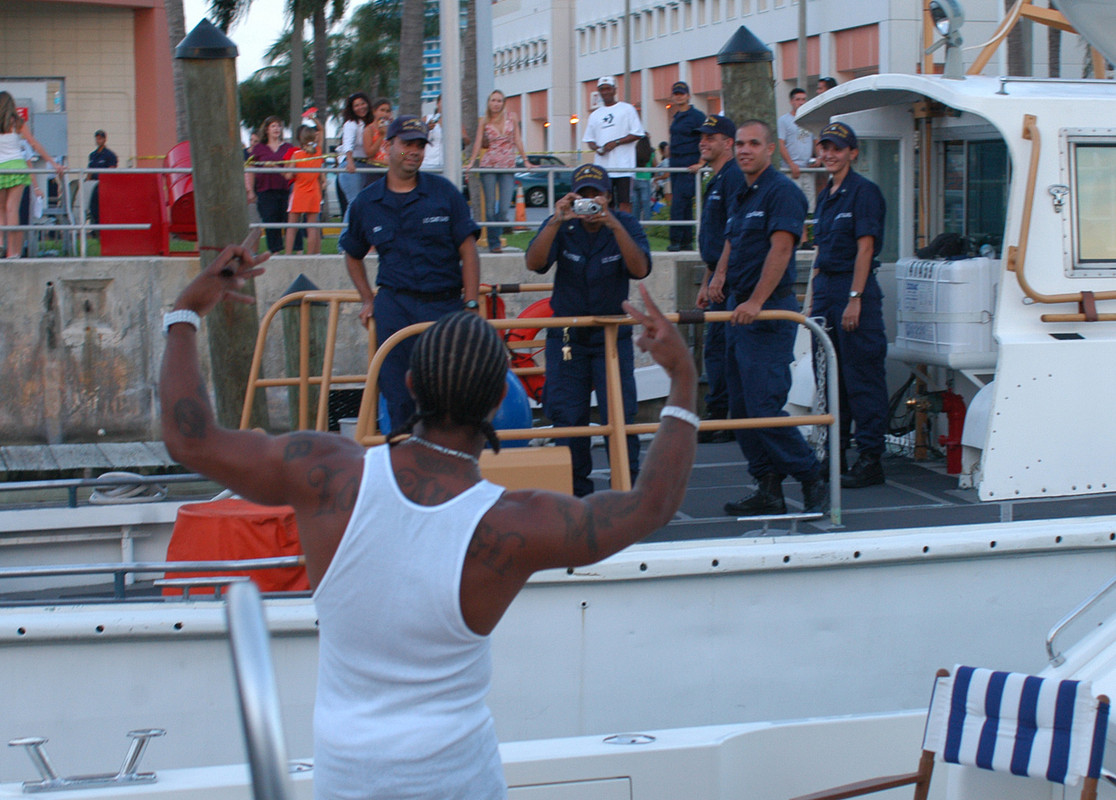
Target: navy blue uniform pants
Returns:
[861, 355]
[682, 208]
[566, 398]
[393, 311]
[716, 398]
[758, 376]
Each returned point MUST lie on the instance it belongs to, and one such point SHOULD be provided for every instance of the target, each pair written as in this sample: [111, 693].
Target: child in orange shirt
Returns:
[306, 196]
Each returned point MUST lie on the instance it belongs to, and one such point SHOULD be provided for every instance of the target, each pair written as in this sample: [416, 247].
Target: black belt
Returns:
[433, 297]
[778, 294]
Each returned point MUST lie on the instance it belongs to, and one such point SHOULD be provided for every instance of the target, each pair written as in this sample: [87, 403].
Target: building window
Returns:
[662, 22]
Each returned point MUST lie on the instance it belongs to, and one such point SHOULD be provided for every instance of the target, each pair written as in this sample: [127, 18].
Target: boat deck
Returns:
[916, 494]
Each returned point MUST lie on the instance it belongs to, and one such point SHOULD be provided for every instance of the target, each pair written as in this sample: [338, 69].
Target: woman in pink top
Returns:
[498, 131]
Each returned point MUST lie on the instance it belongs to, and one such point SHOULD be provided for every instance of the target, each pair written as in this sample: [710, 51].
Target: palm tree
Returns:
[176, 29]
[410, 56]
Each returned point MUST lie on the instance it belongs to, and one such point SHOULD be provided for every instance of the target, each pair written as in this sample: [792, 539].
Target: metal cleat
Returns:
[126, 776]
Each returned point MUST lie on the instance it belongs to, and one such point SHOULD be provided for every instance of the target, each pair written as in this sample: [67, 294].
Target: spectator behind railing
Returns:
[12, 185]
[270, 192]
[498, 134]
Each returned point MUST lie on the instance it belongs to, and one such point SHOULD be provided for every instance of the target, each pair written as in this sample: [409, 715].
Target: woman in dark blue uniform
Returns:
[848, 230]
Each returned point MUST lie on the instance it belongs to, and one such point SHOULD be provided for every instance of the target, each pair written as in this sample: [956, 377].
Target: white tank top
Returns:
[9, 147]
[400, 709]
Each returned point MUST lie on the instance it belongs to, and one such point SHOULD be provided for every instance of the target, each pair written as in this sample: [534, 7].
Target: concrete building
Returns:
[548, 54]
[84, 65]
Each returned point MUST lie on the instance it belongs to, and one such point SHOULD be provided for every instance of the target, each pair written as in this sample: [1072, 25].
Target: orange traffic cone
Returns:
[520, 204]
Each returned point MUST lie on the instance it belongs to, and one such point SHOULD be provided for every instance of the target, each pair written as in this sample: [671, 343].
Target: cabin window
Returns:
[975, 191]
[879, 162]
[1094, 206]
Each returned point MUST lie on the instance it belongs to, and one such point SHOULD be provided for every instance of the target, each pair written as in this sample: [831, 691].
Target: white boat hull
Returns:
[663, 636]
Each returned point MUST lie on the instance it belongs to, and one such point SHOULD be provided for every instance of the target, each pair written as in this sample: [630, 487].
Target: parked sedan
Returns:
[535, 182]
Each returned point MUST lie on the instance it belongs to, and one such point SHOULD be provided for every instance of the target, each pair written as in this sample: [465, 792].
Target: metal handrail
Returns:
[71, 485]
[1057, 659]
[257, 693]
[135, 567]
[121, 570]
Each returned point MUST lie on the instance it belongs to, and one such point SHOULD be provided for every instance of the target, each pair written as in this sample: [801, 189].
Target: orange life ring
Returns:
[521, 358]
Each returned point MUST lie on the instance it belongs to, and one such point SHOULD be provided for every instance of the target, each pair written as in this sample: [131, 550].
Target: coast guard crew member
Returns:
[596, 256]
[848, 229]
[413, 556]
[756, 272]
[717, 136]
[684, 152]
[426, 242]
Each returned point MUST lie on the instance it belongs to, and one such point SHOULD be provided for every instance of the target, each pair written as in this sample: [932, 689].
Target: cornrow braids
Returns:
[458, 369]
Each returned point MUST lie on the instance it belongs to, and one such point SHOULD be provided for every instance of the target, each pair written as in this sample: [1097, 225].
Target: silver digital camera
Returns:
[586, 207]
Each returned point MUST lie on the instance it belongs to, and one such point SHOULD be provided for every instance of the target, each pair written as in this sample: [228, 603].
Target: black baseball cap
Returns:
[840, 134]
[99, 133]
[715, 123]
[680, 87]
[407, 128]
[591, 175]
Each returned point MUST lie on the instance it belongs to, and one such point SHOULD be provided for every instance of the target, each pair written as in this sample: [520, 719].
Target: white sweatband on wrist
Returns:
[680, 413]
[181, 315]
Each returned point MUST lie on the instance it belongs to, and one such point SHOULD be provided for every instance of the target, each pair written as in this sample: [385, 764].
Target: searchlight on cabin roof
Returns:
[948, 17]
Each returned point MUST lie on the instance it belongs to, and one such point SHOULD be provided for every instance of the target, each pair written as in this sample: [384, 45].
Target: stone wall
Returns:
[81, 341]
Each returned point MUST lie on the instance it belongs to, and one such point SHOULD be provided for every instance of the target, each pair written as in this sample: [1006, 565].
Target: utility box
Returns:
[945, 311]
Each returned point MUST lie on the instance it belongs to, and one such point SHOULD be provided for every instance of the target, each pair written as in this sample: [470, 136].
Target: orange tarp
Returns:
[231, 529]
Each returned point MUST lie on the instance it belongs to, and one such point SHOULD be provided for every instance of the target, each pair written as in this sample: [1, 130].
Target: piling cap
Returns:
[744, 48]
[206, 41]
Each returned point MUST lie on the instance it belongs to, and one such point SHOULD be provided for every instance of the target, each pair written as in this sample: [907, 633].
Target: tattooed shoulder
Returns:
[299, 445]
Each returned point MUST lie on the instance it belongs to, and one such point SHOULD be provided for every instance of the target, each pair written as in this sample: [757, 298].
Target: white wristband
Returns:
[181, 315]
[680, 413]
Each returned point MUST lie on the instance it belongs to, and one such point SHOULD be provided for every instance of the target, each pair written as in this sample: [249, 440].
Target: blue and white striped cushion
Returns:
[1022, 724]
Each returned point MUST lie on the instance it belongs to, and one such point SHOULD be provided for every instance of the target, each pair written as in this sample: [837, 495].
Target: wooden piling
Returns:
[216, 153]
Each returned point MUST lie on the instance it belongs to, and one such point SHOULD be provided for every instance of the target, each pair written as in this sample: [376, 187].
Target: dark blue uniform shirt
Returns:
[856, 209]
[685, 136]
[723, 187]
[101, 159]
[772, 203]
[592, 277]
[416, 234]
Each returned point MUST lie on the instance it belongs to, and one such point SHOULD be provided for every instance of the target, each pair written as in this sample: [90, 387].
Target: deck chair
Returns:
[1004, 722]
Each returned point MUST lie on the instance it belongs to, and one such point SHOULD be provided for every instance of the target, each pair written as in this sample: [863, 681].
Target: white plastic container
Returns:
[945, 308]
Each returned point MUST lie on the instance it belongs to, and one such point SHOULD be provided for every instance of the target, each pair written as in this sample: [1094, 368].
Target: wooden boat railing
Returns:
[368, 434]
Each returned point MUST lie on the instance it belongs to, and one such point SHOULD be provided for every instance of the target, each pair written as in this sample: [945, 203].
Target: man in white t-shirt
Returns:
[612, 133]
[796, 147]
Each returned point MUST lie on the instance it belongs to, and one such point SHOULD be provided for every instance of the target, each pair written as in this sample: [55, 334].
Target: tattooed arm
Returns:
[317, 474]
[527, 531]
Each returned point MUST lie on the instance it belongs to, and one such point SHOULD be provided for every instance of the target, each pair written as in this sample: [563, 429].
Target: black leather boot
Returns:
[766, 500]
[815, 496]
[867, 471]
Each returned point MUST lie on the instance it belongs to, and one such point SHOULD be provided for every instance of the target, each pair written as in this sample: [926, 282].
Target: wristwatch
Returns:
[472, 305]
[855, 295]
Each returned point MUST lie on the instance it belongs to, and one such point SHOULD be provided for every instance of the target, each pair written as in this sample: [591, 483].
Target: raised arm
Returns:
[306, 470]
[527, 531]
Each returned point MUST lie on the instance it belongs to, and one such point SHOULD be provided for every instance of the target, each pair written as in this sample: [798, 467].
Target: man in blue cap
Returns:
[597, 251]
[426, 244]
[684, 138]
[717, 135]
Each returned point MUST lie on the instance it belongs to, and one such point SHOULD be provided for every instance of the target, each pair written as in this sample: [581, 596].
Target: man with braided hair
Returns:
[413, 556]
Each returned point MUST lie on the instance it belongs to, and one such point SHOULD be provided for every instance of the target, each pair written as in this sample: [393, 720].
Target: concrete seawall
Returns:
[81, 340]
